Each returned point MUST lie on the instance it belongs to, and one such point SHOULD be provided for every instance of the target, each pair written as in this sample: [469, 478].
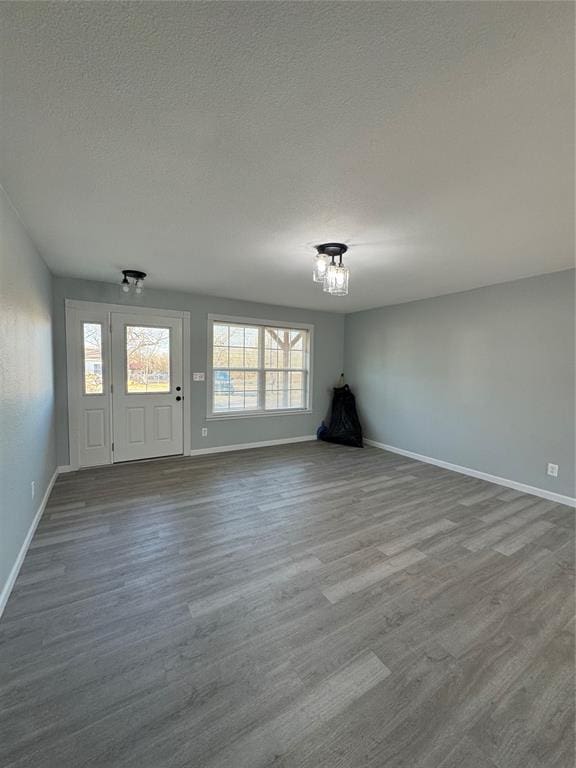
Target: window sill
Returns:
[258, 414]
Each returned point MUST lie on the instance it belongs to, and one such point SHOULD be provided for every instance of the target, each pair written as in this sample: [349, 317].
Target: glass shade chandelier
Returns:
[133, 280]
[332, 274]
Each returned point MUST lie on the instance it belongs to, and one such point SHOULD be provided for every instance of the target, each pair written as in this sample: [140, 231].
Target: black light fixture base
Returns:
[135, 274]
[332, 249]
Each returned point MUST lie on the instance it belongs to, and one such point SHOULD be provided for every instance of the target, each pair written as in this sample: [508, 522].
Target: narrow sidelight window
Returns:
[92, 353]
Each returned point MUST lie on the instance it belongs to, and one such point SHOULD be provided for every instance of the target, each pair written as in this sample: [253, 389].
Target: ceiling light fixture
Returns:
[137, 279]
[335, 277]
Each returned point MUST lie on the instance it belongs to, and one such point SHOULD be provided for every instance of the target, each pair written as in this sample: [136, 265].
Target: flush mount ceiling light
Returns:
[334, 277]
[133, 280]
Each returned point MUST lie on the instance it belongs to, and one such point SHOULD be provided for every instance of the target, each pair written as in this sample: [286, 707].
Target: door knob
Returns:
[178, 389]
[178, 398]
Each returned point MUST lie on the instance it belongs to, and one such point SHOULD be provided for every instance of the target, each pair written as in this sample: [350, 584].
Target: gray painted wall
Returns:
[327, 363]
[483, 379]
[27, 446]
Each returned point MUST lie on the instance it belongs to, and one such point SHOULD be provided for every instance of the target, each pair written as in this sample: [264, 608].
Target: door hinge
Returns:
[112, 447]
[111, 388]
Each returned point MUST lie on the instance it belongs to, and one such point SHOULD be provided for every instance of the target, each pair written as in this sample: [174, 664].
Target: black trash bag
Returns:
[344, 425]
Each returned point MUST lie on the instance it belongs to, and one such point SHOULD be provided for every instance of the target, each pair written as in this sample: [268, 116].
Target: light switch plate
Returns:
[198, 376]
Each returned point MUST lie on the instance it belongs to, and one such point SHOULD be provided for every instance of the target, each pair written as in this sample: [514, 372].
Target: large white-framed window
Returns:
[258, 367]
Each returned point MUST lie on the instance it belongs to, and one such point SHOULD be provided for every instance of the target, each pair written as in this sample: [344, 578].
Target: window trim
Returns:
[260, 413]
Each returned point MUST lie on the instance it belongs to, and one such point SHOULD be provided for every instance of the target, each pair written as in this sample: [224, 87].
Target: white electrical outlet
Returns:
[33, 488]
[204, 432]
[552, 470]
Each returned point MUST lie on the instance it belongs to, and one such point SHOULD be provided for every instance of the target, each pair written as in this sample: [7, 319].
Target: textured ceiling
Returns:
[212, 144]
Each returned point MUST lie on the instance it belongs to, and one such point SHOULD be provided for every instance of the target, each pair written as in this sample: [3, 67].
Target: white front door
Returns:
[147, 406]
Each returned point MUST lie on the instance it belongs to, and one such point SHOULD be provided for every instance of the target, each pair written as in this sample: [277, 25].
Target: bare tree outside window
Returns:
[93, 381]
[147, 359]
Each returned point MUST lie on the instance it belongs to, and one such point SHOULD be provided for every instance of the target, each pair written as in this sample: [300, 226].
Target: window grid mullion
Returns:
[261, 371]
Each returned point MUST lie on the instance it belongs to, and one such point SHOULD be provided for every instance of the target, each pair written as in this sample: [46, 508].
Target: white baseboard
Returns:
[246, 446]
[7, 589]
[541, 492]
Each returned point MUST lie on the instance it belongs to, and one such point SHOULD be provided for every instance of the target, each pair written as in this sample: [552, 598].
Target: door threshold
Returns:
[142, 461]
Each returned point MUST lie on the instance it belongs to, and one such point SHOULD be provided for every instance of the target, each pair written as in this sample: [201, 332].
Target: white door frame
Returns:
[74, 370]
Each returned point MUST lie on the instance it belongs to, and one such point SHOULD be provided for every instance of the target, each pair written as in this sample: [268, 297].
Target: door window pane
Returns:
[147, 359]
[92, 346]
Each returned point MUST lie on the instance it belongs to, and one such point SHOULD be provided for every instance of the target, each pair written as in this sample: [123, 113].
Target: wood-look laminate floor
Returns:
[307, 606]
